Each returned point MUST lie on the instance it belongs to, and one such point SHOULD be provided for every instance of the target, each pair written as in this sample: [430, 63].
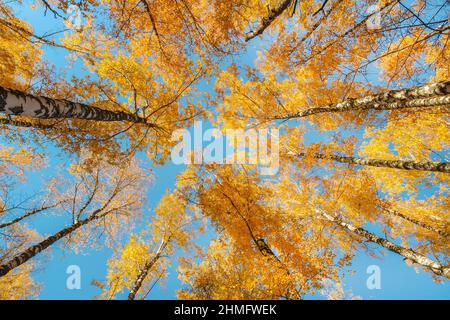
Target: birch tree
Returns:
[102, 198]
[143, 262]
[360, 94]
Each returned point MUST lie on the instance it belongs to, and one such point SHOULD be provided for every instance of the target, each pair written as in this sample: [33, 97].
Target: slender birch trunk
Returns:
[17, 103]
[410, 254]
[143, 273]
[267, 20]
[418, 223]
[41, 246]
[382, 163]
[431, 95]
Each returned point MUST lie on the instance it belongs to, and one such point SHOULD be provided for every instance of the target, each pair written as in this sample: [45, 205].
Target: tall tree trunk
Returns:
[267, 20]
[431, 95]
[143, 273]
[382, 163]
[26, 124]
[417, 222]
[16, 103]
[410, 254]
[41, 246]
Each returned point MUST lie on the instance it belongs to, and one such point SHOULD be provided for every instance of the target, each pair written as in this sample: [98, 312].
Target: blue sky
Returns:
[398, 281]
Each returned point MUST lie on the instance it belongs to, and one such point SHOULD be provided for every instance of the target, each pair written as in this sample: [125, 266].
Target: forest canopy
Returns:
[357, 92]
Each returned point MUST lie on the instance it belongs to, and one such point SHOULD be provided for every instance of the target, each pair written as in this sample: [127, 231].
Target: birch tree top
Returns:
[359, 92]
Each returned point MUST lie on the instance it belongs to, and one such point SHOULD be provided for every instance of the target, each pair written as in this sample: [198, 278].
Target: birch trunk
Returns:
[431, 95]
[25, 124]
[410, 254]
[143, 273]
[418, 223]
[267, 20]
[41, 246]
[382, 163]
[17, 103]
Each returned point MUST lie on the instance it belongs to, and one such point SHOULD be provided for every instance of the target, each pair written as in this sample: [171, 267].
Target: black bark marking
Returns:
[3, 96]
[17, 110]
[49, 108]
[380, 163]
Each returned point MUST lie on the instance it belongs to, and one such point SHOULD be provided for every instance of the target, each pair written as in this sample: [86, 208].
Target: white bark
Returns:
[410, 254]
[431, 95]
[17, 103]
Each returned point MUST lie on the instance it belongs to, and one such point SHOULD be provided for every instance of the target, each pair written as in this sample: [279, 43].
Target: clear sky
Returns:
[398, 280]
